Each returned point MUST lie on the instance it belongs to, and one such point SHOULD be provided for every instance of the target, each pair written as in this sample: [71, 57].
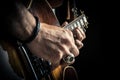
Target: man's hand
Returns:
[53, 44]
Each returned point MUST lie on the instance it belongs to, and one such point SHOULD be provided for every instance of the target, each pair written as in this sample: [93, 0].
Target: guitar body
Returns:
[43, 10]
[19, 63]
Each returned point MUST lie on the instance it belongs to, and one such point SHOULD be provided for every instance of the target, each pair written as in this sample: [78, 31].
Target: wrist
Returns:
[34, 32]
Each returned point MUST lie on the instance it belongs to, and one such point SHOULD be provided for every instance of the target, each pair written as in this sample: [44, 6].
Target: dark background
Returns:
[90, 64]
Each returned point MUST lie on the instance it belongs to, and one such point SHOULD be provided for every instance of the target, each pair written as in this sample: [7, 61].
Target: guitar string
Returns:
[83, 25]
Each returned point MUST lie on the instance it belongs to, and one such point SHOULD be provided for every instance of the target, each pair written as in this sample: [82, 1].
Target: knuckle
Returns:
[81, 45]
[84, 36]
[77, 52]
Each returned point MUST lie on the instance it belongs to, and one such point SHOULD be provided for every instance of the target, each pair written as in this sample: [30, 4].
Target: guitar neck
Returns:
[80, 21]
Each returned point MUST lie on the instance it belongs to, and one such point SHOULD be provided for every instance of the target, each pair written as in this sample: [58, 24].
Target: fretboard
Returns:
[80, 21]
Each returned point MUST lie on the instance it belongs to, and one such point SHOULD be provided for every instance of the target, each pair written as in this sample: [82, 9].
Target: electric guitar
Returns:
[30, 67]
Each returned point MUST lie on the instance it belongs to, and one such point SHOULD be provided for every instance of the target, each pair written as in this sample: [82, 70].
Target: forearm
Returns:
[19, 21]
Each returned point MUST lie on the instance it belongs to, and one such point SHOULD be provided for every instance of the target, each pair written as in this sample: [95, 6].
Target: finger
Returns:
[79, 44]
[66, 53]
[74, 50]
[82, 32]
[71, 44]
[79, 35]
[68, 59]
[61, 52]
[71, 34]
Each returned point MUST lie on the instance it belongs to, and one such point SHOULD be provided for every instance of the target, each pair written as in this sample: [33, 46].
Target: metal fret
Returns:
[81, 22]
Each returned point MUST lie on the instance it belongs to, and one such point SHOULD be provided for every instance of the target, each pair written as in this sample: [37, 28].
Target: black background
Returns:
[91, 64]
